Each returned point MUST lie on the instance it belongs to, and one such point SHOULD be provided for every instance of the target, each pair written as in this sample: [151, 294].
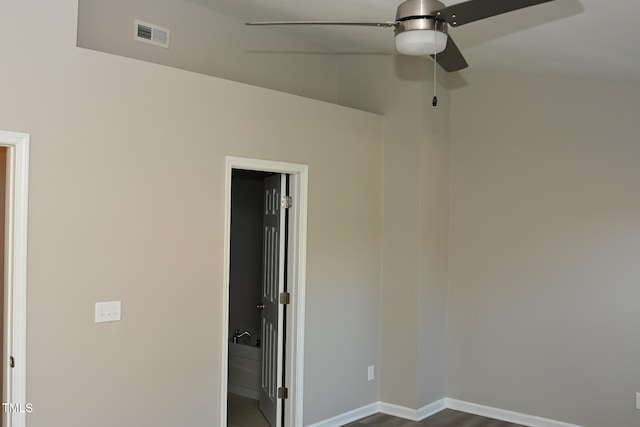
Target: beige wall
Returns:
[545, 230]
[434, 243]
[415, 249]
[127, 179]
[126, 191]
[204, 41]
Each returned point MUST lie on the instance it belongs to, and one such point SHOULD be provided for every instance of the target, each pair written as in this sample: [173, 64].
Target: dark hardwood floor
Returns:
[445, 418]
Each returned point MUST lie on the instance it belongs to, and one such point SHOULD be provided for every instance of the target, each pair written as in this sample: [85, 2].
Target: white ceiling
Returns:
[597, 39]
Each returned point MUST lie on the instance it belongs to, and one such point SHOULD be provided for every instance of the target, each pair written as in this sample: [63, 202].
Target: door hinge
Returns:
[12, 362]
[285, 298]
[287, 202]
[283, 393]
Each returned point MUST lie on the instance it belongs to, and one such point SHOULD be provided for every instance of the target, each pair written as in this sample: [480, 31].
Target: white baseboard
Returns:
[435, 407]
[432, 408]
[385, 408]
[242, 391]
[349, 417]
[504, 415]
[412, 414]
[398, 411]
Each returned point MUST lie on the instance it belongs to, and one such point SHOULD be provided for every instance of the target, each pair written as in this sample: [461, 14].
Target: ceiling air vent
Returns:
[149, 33]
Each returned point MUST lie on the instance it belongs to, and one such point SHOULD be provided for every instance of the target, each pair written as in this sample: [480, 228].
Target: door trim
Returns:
[297, 273]
[15, 318]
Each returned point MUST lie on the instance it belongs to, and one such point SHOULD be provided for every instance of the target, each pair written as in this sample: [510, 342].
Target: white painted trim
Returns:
[399, 411]
[385, 408]
[432, 409]
[298, 263]
[294, 369]
[15, 338]
[349, 417]
[413, 414]
[504, 415]
[435, 407]
[242, 391]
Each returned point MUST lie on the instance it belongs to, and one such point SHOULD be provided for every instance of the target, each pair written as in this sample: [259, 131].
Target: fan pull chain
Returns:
[435, 64]
[435, 97]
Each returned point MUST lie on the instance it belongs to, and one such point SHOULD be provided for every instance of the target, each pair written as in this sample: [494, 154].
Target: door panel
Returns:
[273, 271]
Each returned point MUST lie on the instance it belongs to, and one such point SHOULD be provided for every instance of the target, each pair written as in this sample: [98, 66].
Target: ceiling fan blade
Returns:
[451, 59]
[474, 10]
[356, 23]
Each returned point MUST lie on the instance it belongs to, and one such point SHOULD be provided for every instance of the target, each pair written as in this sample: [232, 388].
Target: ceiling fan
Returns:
[421, 26]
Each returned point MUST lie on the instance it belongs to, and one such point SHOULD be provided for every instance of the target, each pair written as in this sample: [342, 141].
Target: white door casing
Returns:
[296, 281]
[273, 276]
[15, 330]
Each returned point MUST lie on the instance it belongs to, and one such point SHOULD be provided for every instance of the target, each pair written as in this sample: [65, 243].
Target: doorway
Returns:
[271, 316]
[253, 264]
[16, 172]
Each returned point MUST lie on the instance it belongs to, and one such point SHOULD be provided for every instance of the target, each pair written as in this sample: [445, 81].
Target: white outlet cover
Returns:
[370, 373]
[109, 311]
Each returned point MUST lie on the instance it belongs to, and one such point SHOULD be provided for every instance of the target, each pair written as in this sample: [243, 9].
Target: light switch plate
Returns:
[637, 400]
[108, 311]
[370, 373]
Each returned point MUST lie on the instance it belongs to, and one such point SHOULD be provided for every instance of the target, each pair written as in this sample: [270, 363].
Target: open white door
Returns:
[273, 277]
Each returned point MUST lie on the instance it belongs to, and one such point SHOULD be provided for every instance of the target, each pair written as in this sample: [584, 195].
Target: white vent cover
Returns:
[149, 33]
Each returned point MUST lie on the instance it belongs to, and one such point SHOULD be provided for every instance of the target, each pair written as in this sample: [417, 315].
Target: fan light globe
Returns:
[421, 42]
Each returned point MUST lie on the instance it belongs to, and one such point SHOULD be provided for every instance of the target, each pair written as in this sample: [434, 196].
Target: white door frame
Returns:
[15, 308]
[296, 276]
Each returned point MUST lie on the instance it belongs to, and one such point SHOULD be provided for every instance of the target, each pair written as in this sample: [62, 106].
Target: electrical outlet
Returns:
[370, 373]
[637, 400]
[108, 311]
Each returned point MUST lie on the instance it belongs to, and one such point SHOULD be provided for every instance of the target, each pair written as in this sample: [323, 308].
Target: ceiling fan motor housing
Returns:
[418, 15]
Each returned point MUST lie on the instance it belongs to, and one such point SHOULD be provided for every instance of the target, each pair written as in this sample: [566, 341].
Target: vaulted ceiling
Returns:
[583, 38]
